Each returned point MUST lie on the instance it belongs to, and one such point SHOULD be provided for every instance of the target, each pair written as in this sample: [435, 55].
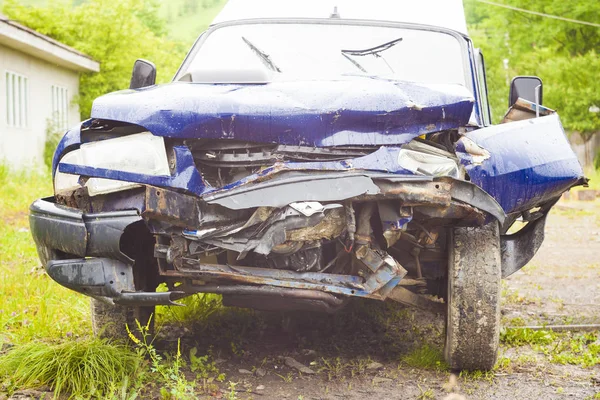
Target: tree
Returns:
[564, 54]
[113, 33]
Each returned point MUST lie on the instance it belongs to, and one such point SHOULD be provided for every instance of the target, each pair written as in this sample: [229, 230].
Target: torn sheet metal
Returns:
[524, 109]
[350, 110]
[531, 162]
[304, 187]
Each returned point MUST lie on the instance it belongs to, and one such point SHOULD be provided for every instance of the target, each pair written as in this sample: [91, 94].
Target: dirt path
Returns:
[386, 351]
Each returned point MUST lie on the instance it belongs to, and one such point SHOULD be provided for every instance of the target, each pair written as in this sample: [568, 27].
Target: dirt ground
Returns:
[369, 350]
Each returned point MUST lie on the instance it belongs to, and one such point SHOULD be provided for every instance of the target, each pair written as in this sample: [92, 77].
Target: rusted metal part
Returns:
[405, 296]
[271, 298]
[412, 194]
[474, 196]
[187, 211]
[175, 208]
[330, 227]
[386, 277]
[524, 109]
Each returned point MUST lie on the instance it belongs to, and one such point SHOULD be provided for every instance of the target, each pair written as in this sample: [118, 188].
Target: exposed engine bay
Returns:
[379, 232]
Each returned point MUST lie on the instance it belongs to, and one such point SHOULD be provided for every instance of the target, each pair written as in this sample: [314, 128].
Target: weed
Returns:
[84, 368]
[359, 366]
[232, 395]
[477, 376]
[504, 364]
[334, 368]
[174, 384]
[425, 394]
[4, 171]
[205, 369]
[577, 349]
[521, 336]
[198, 307]
[286, 378]
[426, 357]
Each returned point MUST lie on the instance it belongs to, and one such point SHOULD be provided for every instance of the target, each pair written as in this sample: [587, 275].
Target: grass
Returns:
[426, 357]
[32, 306]
[572, 348]
[81, 368]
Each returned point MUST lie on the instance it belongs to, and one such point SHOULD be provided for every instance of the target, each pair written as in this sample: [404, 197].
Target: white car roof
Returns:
[442, 13]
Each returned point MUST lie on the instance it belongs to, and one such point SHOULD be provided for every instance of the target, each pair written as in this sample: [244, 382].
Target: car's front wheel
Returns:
[473, 313]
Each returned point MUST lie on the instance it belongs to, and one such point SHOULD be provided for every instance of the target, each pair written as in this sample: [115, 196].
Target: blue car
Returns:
[295, 163]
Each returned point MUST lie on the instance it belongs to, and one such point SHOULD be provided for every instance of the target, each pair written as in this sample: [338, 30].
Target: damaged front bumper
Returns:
[82, 251]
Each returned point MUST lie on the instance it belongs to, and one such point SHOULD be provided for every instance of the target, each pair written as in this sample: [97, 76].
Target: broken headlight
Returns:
[422, 163]
[141, 153]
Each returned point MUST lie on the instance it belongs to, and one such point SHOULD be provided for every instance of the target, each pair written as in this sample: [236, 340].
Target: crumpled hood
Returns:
[350, 110]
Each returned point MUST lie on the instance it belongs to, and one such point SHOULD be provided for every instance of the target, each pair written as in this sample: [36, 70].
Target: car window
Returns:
[317, 50]
[487, 119]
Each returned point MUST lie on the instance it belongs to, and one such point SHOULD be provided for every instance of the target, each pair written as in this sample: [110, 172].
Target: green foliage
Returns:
[81, 368]
[113, 33]
[186, 19]
[426, 357]
[32, 305]
[4, 170]
[198, 307]
[565, 55]
[172, 380]
[522, 336]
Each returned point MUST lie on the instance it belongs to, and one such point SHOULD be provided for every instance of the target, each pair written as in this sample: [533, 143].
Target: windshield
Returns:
[321, 50]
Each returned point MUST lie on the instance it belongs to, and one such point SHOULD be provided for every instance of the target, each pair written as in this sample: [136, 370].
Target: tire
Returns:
[110, 321]
[473, 311]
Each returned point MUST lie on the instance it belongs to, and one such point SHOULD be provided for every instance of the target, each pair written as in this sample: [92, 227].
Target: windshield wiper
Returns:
[355, 63]
[373, 50]
[265, 58]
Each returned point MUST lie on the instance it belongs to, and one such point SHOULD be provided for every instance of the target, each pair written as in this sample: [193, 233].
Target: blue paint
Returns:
[69, 141]
[530, 162]
[350, 110]
[188, 178]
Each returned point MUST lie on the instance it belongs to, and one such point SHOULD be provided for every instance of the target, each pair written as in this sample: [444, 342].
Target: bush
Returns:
[82, 368]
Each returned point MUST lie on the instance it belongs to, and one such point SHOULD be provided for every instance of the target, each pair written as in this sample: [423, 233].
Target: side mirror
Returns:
[144, 74]
[525, 87]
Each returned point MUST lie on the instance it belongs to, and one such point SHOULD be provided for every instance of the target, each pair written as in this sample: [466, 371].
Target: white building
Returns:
[39, 78]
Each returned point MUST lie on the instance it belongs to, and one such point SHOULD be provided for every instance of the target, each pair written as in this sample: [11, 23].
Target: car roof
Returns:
[442, 13]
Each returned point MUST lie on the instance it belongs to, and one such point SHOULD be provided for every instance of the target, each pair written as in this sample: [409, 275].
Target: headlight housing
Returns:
[141, 153]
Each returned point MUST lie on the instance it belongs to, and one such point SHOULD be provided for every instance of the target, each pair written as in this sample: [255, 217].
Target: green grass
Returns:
[32, 306]
[426, 357]
[573, 348]
[82, 368]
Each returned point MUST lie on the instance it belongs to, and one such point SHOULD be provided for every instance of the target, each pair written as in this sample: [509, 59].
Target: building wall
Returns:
[23, 147]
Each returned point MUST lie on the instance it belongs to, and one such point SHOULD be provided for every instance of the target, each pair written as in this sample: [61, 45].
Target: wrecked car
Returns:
[296, 163]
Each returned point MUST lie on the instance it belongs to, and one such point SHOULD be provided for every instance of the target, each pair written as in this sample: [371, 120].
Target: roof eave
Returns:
[40, 46]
